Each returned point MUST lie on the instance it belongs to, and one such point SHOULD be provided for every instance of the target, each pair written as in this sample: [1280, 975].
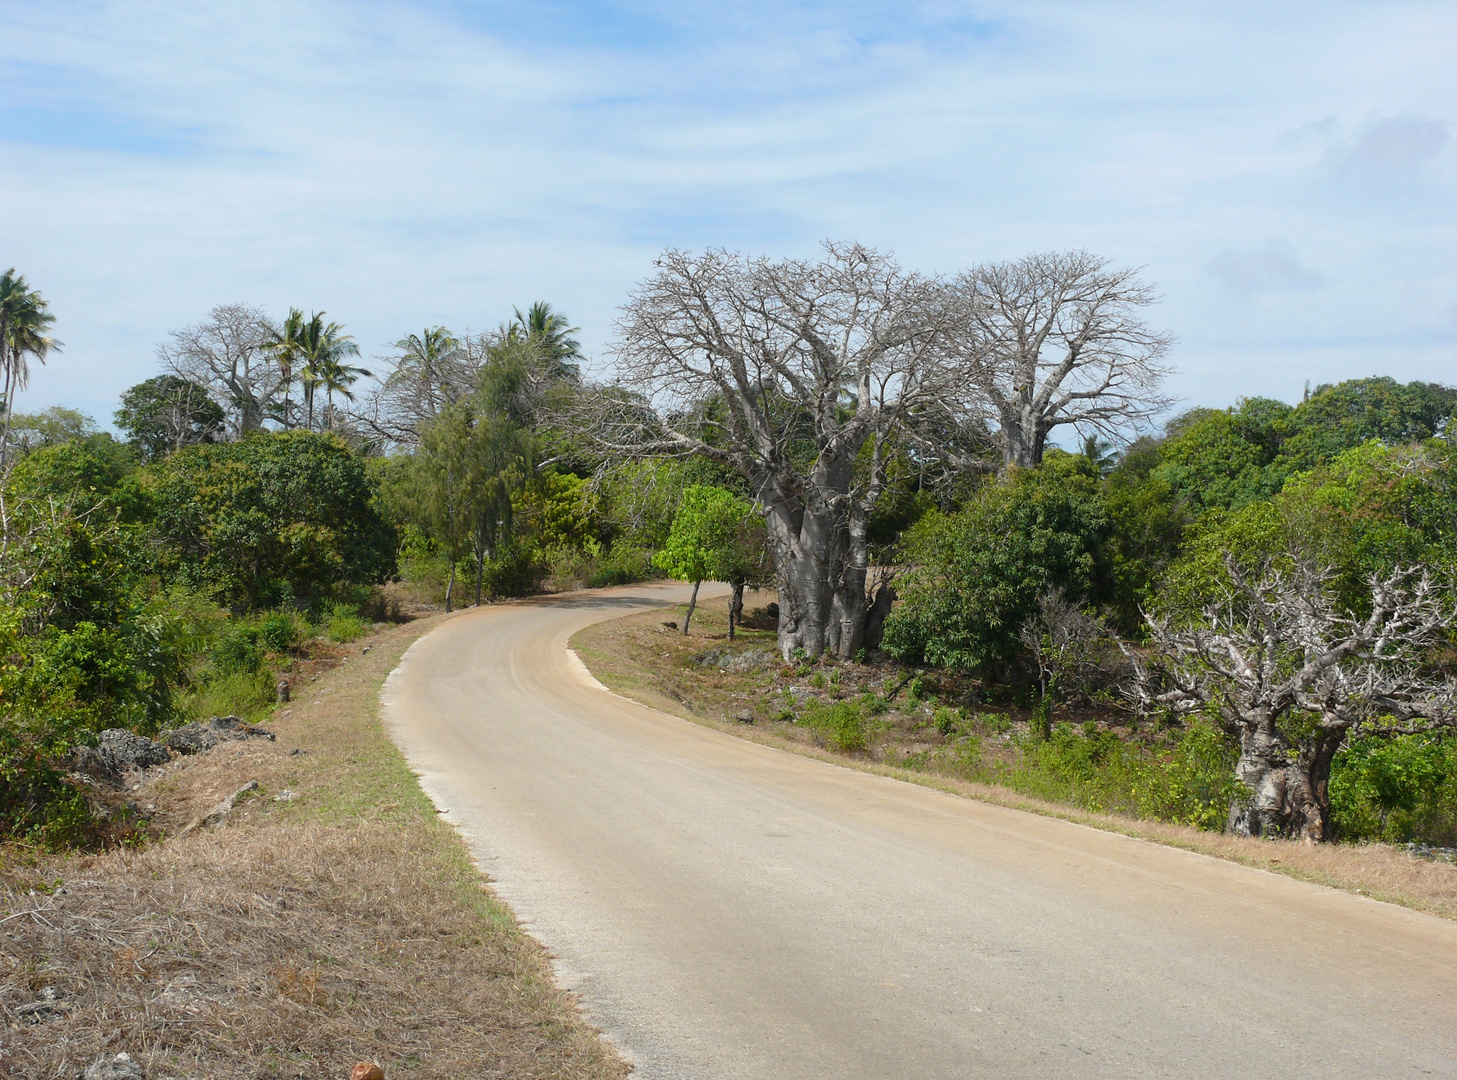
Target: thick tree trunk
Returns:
[877, 614]
[1289, 796]
[736, 608]
[1023, 439]
[692, 603]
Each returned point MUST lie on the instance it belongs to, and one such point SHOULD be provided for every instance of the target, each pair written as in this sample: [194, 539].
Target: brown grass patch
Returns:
[298, 937]
[639, 657]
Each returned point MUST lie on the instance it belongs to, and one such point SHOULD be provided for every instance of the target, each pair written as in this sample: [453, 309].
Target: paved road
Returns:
[729, 910]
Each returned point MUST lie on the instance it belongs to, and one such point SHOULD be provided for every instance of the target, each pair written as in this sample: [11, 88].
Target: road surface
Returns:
[725, 909]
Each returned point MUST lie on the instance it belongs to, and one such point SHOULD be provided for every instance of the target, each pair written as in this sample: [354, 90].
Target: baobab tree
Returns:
[1293, 678]
[1056, 339]
[805, 377]
[229, 354]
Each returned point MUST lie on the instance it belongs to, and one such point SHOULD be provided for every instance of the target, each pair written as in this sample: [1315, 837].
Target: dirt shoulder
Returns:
[329, 918]
[711, 681]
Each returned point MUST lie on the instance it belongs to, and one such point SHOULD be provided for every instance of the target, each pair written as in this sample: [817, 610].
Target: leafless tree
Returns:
[1293, 678]
[1056, 339]
[228, 354]
[1077, 656]
[802, 375]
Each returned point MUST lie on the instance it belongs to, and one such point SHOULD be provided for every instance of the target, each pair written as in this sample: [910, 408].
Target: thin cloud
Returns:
[1272, 268]
[1393, 148]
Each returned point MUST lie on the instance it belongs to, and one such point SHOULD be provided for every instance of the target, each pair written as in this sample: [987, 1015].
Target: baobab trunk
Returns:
[1288, 796]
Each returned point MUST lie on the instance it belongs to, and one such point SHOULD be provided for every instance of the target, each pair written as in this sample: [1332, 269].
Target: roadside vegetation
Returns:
[1242, 620]
[330, 917]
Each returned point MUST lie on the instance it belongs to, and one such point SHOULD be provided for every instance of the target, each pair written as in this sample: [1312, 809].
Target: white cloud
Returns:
[408, 163]
[1392, 148]
[1272, 268]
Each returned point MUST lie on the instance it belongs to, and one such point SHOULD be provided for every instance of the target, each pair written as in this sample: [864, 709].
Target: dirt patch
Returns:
[328, 918]
[703, 678]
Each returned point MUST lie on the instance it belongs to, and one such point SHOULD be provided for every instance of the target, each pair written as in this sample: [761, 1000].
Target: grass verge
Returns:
[331, 918]
[641, 657]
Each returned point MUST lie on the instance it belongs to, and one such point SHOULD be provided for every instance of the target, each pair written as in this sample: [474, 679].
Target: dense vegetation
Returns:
[258, 503]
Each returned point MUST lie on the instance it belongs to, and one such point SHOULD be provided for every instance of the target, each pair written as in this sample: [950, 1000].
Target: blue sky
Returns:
[1286, 173]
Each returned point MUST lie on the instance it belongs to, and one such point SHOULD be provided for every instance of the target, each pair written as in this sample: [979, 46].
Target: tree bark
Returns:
[1289, 796]
[736, 608]
[450, 586]
[692, 603]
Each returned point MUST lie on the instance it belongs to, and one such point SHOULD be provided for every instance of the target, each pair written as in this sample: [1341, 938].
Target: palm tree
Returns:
[24, 319]
[422, 363]
[552, 333]
[323, 348]
[286, 345]
[1102, 453]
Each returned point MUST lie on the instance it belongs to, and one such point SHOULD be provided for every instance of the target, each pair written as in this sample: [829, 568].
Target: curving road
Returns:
[729, 910]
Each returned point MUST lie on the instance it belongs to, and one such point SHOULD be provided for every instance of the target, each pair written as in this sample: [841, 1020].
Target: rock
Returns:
[748, 660]
[118, 752]
[296, 751]
[196, 738]
[744, 716]
[221, 810]
[282, 691]
[725, 658]
[121, 1067]
[286, 795]
[365, 649]
[771, 609]
[367, 1070]
[670, 624]
[48, 1007]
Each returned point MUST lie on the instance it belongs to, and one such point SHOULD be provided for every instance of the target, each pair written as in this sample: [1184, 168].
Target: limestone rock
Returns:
[121, 1067]
[196, 738]
[118, 752]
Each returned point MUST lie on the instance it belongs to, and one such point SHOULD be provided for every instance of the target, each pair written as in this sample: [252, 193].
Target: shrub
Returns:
[236, 650]
[839, 723]
[279, 631]
[342, 623]
[1396, 790]
[1195, 784]
[249, 694]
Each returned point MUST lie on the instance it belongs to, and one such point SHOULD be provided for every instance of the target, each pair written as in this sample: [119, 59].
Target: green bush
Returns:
[512, 572]
[342, 623]
[623, 565]
[237, 650]
[975, 576]
[249, 694]
[839, 723]
[1396, 790]
[279, 631]
[1195, 784]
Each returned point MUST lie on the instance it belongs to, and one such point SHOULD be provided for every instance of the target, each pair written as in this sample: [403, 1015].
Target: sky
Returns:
[1285, 173]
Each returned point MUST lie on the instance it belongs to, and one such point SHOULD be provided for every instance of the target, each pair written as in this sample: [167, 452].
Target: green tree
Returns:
[975, 576]
[709, 540]
[552, 333]
[323, 348]
[166, 413]
[25, 322]
[272, 517]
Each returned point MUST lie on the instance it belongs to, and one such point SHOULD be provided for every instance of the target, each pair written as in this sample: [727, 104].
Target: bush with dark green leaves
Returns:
[976, 575]
[272, 518]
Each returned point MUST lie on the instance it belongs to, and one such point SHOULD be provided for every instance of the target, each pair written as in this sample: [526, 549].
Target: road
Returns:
[725, 909]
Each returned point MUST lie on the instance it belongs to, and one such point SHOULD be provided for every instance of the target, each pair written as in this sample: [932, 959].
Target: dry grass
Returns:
[638, 657]
[293, 940]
